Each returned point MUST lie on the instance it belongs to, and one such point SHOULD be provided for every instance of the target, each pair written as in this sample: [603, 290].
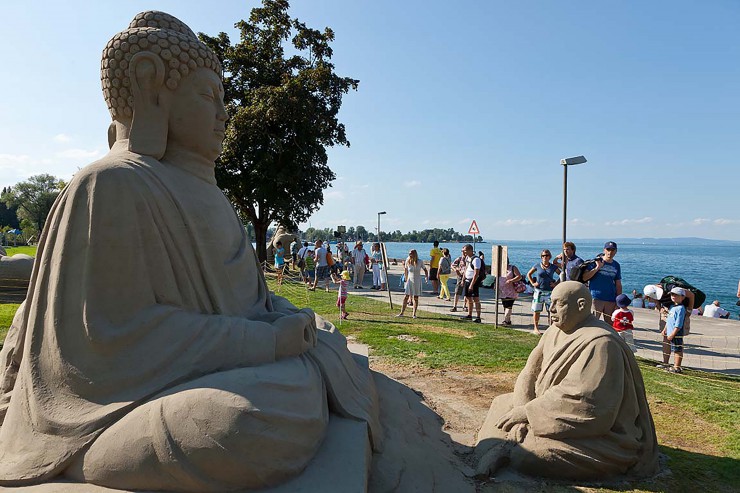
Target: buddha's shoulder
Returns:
[116, 169]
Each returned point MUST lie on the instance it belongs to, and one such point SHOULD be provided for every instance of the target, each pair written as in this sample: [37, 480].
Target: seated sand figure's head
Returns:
[570, 306]
[163, 89]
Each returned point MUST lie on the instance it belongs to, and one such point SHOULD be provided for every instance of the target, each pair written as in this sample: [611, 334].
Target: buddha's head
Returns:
[570, 305]
[163, 88]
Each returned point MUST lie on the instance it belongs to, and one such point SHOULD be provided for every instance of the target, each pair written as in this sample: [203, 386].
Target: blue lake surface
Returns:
[711, 268]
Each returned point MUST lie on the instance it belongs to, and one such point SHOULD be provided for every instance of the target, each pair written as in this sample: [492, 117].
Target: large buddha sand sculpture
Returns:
[578, 410]
[149, 355]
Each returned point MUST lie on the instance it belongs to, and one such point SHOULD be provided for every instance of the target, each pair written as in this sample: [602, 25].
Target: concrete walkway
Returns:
[713, 345]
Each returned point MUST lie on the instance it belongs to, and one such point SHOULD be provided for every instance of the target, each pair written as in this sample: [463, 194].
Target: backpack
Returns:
[444, 266]
[481, 273]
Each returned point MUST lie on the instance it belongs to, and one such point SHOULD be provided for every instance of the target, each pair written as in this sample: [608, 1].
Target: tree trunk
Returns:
[260, 237]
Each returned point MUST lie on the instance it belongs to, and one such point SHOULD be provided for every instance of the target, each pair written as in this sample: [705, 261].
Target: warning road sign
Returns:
[474, 229]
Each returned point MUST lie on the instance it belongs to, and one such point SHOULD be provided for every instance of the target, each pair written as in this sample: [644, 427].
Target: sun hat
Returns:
[609, 245]
[653, 291]
[623, 301]
[345, 275]
[679, 291]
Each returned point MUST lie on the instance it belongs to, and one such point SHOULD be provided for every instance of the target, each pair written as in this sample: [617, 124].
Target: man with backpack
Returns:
[475, 272]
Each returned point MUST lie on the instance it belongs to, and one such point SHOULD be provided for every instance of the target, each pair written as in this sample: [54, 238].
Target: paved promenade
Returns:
[713, 345]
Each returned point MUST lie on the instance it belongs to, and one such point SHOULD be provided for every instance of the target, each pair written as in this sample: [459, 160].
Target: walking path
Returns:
[713, 345]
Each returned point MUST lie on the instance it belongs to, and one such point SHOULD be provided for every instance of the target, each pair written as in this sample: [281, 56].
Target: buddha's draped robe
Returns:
[145, 280]
[587, 413]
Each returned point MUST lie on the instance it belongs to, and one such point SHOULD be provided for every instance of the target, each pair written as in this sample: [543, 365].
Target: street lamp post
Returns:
[569, 161]
[379, 214]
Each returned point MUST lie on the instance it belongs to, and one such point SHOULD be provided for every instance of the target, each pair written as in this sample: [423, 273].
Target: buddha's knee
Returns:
[234, 429]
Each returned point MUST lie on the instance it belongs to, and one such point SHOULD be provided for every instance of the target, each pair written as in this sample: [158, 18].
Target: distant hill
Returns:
[687, 241]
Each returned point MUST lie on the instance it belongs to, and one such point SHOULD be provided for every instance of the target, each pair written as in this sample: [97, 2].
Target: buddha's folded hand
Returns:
[294, 334]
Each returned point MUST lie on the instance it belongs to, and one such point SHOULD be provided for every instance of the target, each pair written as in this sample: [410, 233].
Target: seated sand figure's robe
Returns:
[585, 404]
[148, 334]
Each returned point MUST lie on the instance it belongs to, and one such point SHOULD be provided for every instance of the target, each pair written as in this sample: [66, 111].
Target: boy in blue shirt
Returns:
[673, 330]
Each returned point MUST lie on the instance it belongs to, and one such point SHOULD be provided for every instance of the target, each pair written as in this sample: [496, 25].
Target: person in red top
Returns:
[622, 320]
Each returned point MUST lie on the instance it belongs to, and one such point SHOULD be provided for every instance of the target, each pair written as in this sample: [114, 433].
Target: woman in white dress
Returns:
[412, 273]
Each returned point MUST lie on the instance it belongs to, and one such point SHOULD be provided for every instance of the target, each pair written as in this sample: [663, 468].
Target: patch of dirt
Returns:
[407, 338]
[460, 396]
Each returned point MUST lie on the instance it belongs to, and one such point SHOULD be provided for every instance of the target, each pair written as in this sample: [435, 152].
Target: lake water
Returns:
[711, 268]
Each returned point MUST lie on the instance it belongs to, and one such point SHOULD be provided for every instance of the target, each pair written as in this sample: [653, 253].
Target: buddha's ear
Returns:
[150, 122]
[581, 303]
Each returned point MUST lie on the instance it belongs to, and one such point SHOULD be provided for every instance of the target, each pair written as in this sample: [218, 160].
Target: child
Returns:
[622, 319]
[279, 261]
[342, 294]
[673, 331]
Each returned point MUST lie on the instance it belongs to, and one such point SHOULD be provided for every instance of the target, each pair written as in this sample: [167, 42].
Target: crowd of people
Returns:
[676, 302]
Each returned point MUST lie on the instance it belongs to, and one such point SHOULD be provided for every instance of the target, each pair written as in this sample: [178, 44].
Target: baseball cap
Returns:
[679, 291]
[653, 291]
[609, 245]
[623, 301]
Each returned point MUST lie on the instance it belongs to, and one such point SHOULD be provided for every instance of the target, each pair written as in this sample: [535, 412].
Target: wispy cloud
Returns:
[412, 183]
[61, 138]
[8, 161]
[630, 222]
[334, 194]
[79, 154]
[700, 221]
[519, 222]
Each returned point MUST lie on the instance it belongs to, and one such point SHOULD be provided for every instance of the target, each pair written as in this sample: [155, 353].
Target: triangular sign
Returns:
[474, 229]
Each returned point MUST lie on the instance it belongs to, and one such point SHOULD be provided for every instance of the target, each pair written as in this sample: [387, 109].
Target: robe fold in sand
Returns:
[585, 402]
[145, 280]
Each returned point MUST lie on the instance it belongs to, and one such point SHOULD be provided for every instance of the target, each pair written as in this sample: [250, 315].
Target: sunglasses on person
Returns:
[545, 255]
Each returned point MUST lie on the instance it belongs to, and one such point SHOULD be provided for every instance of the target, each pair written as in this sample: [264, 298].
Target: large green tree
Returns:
[32, 200]
[283, 116]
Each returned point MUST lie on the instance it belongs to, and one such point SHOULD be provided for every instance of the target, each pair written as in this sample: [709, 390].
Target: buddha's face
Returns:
[570, 305]
[197, 119]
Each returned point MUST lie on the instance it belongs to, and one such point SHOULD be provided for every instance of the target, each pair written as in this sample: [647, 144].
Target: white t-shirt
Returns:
[303, 252]
[472, 265]
[714, 311]
[320, 257]
[358, 256]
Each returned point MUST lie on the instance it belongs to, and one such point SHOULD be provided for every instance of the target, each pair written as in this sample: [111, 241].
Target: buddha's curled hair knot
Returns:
[165, 36]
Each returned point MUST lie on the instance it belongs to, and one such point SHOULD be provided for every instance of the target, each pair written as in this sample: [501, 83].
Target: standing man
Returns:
[458, 267]
[605, 282]
[436, 254]
[567, 260]
[473, 280]
[302, 254]
[322, 266]
[358, 259]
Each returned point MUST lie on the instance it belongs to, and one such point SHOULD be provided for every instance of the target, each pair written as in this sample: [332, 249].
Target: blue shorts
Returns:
[539, 299]
[677, 344]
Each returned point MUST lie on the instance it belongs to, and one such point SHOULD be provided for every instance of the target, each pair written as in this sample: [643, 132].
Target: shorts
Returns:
[508, 302]
[539, 299]
[279, 267]
[459, 287]
[629, 338]
[433, 273]
[604, 308]
[677, 344]
[341, 301]
[470, 291]
[335, 268]
[322, 272]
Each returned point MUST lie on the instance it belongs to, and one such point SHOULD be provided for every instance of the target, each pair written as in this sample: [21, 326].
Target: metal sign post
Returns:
[384, 266]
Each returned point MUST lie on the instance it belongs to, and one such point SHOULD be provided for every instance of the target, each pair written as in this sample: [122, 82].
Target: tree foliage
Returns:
[360, 233]
[283, 116]
[32, 200]
[8, 215]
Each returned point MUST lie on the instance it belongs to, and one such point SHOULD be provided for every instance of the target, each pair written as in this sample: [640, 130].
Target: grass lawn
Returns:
[696, 414]
[28, 250]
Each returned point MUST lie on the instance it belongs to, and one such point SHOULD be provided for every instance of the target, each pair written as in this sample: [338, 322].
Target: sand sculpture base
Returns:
[341, 465]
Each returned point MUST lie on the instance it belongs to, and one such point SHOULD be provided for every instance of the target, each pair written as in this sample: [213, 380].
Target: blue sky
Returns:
[463, 111]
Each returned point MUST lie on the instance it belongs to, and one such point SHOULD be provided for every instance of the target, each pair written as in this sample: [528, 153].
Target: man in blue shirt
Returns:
[605, 282]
